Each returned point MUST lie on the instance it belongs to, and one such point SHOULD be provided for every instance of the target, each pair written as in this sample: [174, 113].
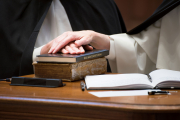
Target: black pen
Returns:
[83, 86]
[157, 92]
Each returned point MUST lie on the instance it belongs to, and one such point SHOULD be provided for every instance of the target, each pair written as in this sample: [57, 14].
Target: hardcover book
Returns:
[158, 79]
[68, 58]
[71, 71]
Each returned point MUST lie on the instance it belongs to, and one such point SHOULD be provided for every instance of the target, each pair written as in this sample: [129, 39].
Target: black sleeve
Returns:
[18, 21]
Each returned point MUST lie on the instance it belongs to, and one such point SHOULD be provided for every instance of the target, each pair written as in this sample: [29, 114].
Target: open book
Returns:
[161, 78]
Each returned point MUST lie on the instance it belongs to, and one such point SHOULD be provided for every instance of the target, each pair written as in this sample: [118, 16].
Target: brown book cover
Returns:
[71, 71]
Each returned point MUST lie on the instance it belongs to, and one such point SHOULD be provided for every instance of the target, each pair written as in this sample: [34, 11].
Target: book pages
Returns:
[162, 75]
[122, 81]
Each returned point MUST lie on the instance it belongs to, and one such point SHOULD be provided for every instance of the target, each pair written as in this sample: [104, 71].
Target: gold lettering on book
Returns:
[92, 56]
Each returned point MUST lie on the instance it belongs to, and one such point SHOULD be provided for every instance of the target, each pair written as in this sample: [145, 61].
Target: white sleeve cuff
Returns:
[37, 51]
[124, 58]
[112, 54]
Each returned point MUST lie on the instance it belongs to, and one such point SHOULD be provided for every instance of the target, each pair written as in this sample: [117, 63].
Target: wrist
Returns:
[46, 48]
[101, 41]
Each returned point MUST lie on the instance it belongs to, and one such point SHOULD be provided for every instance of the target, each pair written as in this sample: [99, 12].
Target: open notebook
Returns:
[161, 78]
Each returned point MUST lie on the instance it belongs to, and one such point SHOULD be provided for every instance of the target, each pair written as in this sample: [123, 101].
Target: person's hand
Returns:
[97, 40]
[72, 48]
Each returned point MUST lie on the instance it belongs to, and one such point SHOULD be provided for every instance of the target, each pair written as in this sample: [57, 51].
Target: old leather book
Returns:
[71, 71]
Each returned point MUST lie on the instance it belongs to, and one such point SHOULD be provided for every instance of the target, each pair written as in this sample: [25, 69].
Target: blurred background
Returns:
[135, 12]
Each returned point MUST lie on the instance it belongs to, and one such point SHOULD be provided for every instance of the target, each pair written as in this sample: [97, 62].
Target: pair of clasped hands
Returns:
[77, 42]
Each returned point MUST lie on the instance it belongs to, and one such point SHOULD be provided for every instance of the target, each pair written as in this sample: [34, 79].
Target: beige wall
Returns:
[136, 11]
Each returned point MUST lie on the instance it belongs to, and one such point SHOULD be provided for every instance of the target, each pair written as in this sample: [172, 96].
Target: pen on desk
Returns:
[82, 86]
[159, 92]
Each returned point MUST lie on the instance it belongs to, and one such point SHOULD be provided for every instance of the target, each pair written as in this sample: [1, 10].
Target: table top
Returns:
[72, 94]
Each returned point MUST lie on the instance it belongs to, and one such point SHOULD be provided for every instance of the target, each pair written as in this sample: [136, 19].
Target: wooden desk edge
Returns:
[90, 104]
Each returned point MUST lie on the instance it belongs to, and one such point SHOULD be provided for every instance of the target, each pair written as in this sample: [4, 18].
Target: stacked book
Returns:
[71, 67]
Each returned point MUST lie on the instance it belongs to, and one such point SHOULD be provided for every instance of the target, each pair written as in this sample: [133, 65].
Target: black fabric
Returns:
[25, 69]
[19, 21]
[99, 15]
[163, 9]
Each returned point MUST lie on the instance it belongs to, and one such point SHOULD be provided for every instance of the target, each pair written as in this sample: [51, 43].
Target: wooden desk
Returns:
[69, 102]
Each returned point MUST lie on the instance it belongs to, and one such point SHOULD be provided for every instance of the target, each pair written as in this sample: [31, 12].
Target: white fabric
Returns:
[55, 23]
[37, 51]
[157, 47]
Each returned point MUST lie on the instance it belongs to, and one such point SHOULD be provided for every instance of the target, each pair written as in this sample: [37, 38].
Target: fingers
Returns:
[81, 49]
[87, 47]
[83, 41]
[64, 51]
[70, 50]
[62, 40]
[73, 49]
[56, 41]
[80, 38]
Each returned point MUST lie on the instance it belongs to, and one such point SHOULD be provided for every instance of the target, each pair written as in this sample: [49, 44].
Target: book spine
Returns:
[92, 56]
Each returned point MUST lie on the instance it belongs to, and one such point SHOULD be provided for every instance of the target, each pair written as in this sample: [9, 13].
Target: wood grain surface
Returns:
[70, 102]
